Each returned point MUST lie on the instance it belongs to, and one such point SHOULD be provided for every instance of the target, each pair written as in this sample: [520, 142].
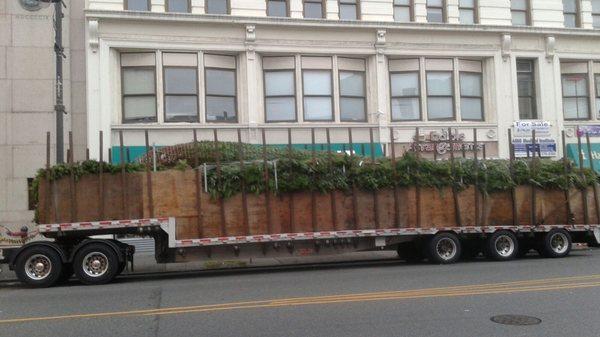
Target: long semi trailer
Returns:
[176, 208]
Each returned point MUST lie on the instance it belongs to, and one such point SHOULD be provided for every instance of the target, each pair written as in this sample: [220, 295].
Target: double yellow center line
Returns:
[552, 284]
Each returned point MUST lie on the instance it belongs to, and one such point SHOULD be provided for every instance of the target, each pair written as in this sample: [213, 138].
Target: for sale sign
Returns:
[545, 144]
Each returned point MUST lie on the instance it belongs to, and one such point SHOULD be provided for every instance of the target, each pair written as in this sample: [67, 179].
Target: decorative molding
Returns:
[550, 47]
[94, 36]
[250, 33]
[506, 44]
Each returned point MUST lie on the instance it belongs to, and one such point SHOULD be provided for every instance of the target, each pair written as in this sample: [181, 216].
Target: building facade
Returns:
[381, 67]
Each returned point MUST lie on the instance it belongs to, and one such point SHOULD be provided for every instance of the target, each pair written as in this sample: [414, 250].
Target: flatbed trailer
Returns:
[187, 224]
[73, 250]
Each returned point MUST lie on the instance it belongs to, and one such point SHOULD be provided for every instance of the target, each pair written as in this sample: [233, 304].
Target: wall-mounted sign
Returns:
[439, 142]
[545, 144]
[591, 130]
[573, 154]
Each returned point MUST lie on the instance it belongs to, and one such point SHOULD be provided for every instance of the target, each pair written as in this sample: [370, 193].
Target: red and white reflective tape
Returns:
[95, 225]
[367, 233]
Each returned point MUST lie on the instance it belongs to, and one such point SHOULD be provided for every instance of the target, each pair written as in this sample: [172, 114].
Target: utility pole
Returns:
[59, 107]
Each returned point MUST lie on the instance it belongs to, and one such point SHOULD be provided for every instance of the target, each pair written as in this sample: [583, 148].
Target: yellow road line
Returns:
[467, 290]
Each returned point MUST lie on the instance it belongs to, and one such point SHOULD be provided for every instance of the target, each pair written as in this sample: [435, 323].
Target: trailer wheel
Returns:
[39, 266]
[557, 243]
[502, 246]
[444, 248]
[96, 263]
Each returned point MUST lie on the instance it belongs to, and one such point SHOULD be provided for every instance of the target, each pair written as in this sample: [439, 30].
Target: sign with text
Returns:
[592, 130]
[545, 144]
[573, 154]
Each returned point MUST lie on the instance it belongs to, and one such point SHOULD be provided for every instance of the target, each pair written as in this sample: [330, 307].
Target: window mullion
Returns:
[201, 91]
[335, 77]
[160, 89]
[456, 90]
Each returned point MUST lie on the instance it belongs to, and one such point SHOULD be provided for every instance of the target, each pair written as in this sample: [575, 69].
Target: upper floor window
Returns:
[571, 13]
[467, 11]
[217, 6]
[178, 6]
[349, 9]
[429, 85]
[277, 8]
[597, 84]
[526, 89]
[180, 87]
[317, 89]
[314, 9]
[403, 10]
[596, 13]
[220, 88]
[519, 10]
[353, 100]
[436, 11]
[137, 5]
[138, 87]
[575, 90]
[280, 89]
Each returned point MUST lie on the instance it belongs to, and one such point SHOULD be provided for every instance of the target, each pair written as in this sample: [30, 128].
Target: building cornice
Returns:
[323, 23]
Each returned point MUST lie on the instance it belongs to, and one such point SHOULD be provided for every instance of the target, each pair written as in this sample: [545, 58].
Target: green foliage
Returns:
[299, 170]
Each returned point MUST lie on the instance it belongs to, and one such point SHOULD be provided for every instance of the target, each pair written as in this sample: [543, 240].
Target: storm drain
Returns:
[516, 320]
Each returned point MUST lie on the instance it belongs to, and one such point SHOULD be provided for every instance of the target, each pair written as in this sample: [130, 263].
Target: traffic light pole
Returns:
[59, 106]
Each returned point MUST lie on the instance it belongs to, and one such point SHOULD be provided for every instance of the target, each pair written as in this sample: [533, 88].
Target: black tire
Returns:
[411, 252]
[502, 246]
[65, 275]
[86, 270]
[557, 243]
[28, 274]
[444, 248]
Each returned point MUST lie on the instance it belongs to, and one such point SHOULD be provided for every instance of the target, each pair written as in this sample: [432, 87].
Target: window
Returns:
[526, 89]
[596, 13]
[178, 6]
[440, 96]
[406, 96]
[349, 9]
[575, 96]
[519, 10]
[318, 103]
[220, 88]
[571, 13]
[137, 5]
[352, 96]
[138, 87]
[280, 96]
[314, 9]
[180, 82]
[277, 8]
[467, 11]
[436, 11]
[471, 96]
[403, 10]
[597, 82]
[217, 6]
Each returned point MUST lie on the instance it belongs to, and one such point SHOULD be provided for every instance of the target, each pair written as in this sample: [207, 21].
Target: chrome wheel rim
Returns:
[446, 248]
[505, 245]
[559, 243]
[95, 264]
[38, 267]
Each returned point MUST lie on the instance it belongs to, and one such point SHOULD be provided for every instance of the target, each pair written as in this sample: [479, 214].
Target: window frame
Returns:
[332, 96]
[228, 4]
[235, 96]
[534, 96]
[323, 9]
[126, 5]
[527, 12]
[596, 77]
[475, 10]
[577, 14]
[452, 95]
[418, 96]
[189, 6]
[295, 95]
[125, 120]
[595, 14]
[411, 10]
[482, 97]
[287, 9]
[364, 98]
[356, 5]
[443, 8]
[165, 94]
[587, 96]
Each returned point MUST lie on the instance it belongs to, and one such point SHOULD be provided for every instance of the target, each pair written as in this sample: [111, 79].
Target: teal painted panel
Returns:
[572, 153]
[361, 149]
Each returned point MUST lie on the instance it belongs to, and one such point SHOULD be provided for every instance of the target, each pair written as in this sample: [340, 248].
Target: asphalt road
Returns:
[378, 298]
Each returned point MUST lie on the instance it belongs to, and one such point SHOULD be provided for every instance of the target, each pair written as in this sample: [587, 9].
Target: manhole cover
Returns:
[516, 320]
